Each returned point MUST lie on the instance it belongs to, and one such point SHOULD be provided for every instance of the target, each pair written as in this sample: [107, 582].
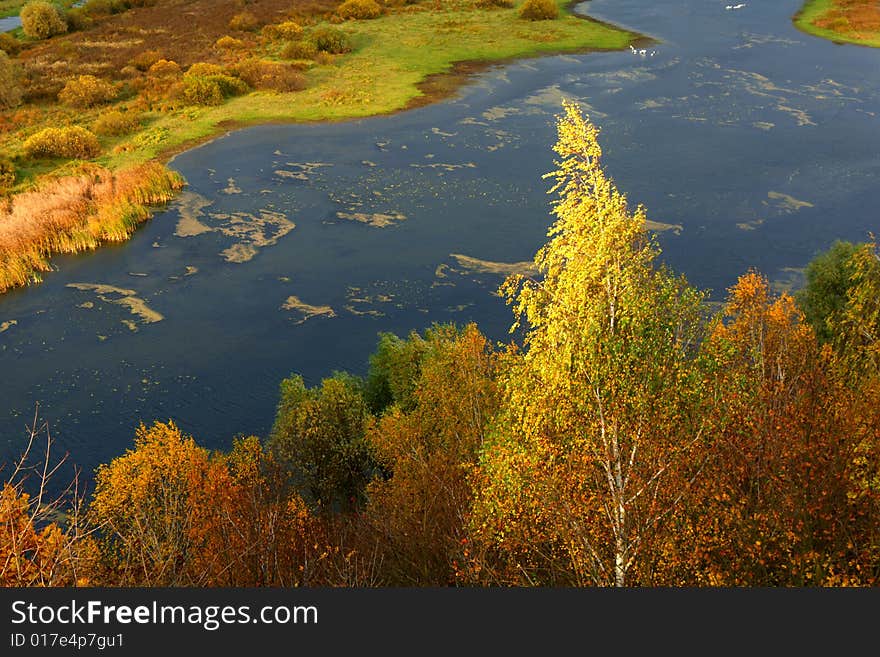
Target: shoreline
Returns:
[433, 88]
[382, 77]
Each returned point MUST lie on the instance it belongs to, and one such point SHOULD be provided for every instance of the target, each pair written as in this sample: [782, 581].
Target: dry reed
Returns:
[77, 213]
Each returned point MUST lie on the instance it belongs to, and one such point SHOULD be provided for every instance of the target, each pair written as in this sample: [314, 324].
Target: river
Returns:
[753, 144]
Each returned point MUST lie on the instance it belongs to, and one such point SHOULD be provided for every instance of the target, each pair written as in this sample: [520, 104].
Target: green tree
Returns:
[420, 511]
[319, 435]
[828, 280]
[394, 371]
[601, 414]
[856, 327]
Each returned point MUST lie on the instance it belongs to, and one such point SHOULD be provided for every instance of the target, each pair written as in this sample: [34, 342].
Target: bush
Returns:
[359, 9]
[9, 44]
[270, 75]
[10, 90]
[208, 84]
[41, 19]
[229, 43]
[70, 142]
[203, 69]
[539, 10]
[244, 22]
[105, 7]
[146, 59]
[7, 174]
[78, 19]
[495, 4]
[299, 50]
[115, 123]
[164, 68]
[287, 30]
[87, 91]
[330, 39]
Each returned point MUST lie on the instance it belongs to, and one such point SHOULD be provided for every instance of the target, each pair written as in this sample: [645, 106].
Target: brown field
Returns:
[859, 19]
[111, 48]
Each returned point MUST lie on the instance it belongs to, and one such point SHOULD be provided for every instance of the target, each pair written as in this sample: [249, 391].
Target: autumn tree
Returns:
[783, 499]
[252, 530]
[600, 423]
[146, 503]
[428, 445]
[318, 435]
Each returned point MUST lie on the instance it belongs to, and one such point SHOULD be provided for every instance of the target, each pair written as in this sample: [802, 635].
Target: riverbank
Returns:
[388, 64]
[842, 21]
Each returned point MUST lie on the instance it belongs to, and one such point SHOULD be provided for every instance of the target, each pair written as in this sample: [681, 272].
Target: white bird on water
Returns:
[643, 52]
[632, 49]
[739, 6]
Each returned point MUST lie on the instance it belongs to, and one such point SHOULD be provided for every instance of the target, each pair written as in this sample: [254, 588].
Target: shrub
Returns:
[539, 10]
[287, 30]
[87, 91]
[359, 9]
[229, 43]
[330, 39]
[41, 19]
[202, 69]
[78, 19]
[70, 142]
[270, 75]
[115, 123]
[243, 22]
[9, 44]
[105, 7]
[7, 174]
[10, 90]
[146, 59]
[299, 50]
[208, 84]
[164, 68]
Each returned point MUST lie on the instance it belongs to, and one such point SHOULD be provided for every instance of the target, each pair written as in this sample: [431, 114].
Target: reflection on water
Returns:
[750, 144]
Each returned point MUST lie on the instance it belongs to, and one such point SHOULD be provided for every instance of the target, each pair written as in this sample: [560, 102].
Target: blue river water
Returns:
[750, 143]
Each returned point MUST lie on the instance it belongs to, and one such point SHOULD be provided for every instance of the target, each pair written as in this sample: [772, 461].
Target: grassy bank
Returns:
[382, 66]
[842, 21]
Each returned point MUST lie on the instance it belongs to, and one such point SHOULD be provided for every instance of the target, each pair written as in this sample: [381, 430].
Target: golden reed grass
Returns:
[77, 213]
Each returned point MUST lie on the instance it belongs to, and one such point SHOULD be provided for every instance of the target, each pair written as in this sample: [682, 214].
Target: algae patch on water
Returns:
[364, 303]
[375, 219]
[122, 297]
[251, 232]
[304, 311]
[470, 265]
[190, 206]
[659, 227]
[785, 203]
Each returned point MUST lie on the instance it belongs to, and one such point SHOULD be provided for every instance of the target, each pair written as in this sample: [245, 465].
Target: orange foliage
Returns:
[785, 497]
